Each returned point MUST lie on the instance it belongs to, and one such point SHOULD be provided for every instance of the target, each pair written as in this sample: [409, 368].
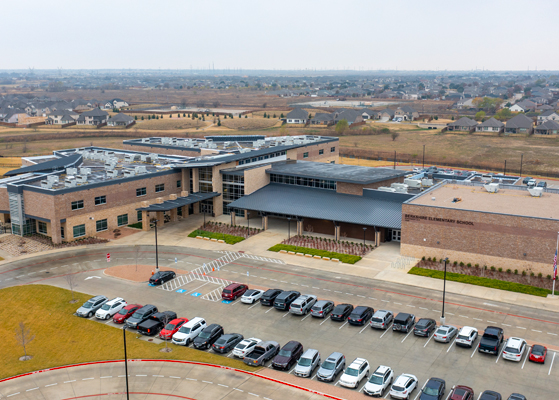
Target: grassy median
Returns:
[229, 239]
[62, 338]
[480, 281]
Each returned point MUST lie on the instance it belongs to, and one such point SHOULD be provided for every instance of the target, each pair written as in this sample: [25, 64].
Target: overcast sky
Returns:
[286, 34]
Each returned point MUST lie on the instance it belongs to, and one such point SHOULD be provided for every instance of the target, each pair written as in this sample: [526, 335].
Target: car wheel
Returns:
[108, 316]
[90, 315]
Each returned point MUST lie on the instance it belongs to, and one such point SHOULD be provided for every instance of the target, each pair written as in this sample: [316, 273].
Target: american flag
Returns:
[555, 266]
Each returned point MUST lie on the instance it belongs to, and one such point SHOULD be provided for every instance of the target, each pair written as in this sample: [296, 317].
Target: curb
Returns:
[179, 362]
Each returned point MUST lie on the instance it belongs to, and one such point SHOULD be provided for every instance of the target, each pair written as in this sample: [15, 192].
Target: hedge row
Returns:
[229, 239]
[345, 258]
[480, 281]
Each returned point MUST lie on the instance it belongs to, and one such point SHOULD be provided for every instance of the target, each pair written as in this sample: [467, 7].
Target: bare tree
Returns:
[24, 337]
[136, 253]
[71, 279]
[394, 135]
[216, 104]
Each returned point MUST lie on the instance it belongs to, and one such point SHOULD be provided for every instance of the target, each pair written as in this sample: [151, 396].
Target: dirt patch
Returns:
[249, 123]
[137, 273]
[118, 233]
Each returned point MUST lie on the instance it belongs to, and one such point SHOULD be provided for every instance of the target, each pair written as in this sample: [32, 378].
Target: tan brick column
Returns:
[265, 222]
[55, 232]
[146, 226]
[233, 218]
[299, 227]
[185, 179]
[195, 180]
[337, 232]
[3, 218]
[160, 218]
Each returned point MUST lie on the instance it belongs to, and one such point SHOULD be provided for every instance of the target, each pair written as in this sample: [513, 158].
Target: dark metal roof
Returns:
[336, 172]
[235, 138]
[179, 202]
[49, 166]
[325, 204]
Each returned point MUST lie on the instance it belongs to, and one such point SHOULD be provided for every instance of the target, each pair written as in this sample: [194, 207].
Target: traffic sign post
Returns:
[108, 257]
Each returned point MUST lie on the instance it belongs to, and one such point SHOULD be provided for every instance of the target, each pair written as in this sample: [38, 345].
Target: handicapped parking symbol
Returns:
[181, 291]
[226, 301]
[196, 294]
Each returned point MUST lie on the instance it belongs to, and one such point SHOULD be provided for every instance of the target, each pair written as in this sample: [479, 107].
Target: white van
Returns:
[188, 332]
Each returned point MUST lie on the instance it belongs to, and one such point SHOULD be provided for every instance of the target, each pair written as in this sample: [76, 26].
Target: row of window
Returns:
[320, 152]
[300, 181]
[100, 225]
[267, 156]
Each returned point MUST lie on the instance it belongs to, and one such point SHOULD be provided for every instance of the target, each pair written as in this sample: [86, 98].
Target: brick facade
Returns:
[256, 178]
[505, 241]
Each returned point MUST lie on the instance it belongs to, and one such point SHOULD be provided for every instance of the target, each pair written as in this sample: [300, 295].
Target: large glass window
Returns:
[160, 188]
[77, 205]
[79, 230]
[207, 206]
[42, 227]
[299, 181]
[100, 200]
[233, 188]
[205, 180]
[122, 219]
[139, 215]
[332, 149]
[101, 225]
[141, 192]
[306, 155]
[179, 184]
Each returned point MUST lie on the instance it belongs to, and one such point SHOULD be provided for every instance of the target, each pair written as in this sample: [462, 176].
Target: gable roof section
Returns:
[492, 122]
[121, 118]
[547, 125]
[297, 113]
[519, 121]
[464, 121]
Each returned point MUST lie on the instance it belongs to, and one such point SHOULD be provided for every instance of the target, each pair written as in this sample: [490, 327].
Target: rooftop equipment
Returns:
[535, 191]
[492, 187]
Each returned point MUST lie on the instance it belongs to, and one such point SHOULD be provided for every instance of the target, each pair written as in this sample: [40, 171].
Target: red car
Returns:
[460, 392]
[538, 353]
[125, 313]
[171, 328]
[233, 291]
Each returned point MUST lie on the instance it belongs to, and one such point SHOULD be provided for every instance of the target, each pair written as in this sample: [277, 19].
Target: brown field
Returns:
[249, 123]
[172, 124]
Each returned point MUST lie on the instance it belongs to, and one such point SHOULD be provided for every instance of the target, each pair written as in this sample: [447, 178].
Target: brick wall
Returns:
[480, 238]
[314, 150]
[256, 178]
[357, 189]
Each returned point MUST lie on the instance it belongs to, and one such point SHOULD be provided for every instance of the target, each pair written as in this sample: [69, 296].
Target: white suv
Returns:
[245, 347]
[110, 308]
[514, 349]
[379, 381]
[466, 337]
[403, 386]
[353, 374]
[188, 332]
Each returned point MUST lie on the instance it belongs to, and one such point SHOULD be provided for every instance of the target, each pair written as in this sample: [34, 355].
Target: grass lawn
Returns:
[345, 258]
[229, 239]
[137, 225]
[480, 281]
[62, 338]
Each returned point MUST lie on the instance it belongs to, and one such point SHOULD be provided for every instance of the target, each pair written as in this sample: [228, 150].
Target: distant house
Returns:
[120, 120]
[15, 116]
[463, 124]
[407, 113]
[93, 117]
[547, 128]
[464, 103]
[322, 119]
[519, 124]
[549, 115]
[386, 113]
[350, 115]
[369, 114]
[523, 106]
[61, 117]
[491, 125]
[297, 116]
[114, 103]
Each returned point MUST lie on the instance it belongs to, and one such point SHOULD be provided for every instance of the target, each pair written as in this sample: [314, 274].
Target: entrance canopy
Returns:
[374, 208]
[179, 202]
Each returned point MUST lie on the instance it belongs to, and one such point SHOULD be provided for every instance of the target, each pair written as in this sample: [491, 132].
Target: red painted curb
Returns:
[172, 361]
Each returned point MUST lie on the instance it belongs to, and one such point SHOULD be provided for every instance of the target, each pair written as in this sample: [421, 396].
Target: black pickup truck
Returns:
[491, 340]
[156, 322]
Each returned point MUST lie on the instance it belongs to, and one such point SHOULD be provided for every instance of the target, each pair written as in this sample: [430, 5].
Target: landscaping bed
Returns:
[229, 239]
[481, 281]
[524, 277]
[220, 230]
[329, 245]
[345, 258]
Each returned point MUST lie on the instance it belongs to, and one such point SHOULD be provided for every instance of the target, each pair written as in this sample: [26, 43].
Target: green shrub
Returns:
[548, 276]
[531, 273]
[540, 275]
[461, 264]
[469, 264]
[229, 239]
[429, 259]
[434, 259]
[137, 225]
[508, 271]
[480, 281]
[492, 268]
[477, 265]
[345, 258]
[500, 269]
[423, 258]
[455, 263]
[516, 272]
[523, 273]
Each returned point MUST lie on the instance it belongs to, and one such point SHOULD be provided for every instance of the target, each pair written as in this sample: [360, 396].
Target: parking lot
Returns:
[405, 353]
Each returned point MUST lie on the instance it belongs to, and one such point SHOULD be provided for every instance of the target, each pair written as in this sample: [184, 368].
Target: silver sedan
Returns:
[445, 333]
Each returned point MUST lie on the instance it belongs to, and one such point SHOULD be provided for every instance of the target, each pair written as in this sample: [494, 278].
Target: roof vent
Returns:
[112, 173]
[146, 140]
[71, 171]
[433, 198]
[53, 179]
[81, 178]
[46, 184]
[69, 182]
[535, 191]
[492, 187]
[141, 169]
[129, 172]
[85, 171]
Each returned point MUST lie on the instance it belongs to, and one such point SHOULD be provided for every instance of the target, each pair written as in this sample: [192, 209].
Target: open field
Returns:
[62, 338]
[44, 147]
[8, 164]
[250, 123]
[172, 123]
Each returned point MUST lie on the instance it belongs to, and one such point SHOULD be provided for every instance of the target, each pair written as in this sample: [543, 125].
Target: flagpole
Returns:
[555, 266]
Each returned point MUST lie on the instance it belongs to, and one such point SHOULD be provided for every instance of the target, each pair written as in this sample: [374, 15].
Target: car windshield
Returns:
[430, 391]
[441, 332]
[184, 329]
[88, 305]
[377, 380]
[249, 293]
[329, 365]
[305, 362]
[220, 341]
[106, 307]
[170, 326]
[422, 324]
[397, 388]
[285, 353]
[157, 275]
[205, 335]
[537, 350]
[123, 312]
[137, 315]
[460, 392]
[352, 372]
[377, 319]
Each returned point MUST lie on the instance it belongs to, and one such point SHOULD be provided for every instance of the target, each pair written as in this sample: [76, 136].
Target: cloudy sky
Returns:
[286, 34]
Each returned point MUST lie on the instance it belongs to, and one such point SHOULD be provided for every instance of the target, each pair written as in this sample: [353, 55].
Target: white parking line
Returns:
[337, 291]
[491, 322]
[433, 310]
[286, 314]
[477, 319]
[478, 396]
[365, 327]
[525, 358]
[87, 379]
[238, 390]
[419, 393]
[200, 286]
[13, 394]
[475, 350]
[386, 301]
[292, 369]
[136, 375]
[411, 330]
[423, 308]
[70, 381]
[349, 294]
[398, 303]
[533, 330]
[190, 379]
[425, 345]
[448, 397]
[452, 344]
[271, 308]
[158, 376]
[549, 333]
[313, 377]
[335, 384]
[314, 287]
[235, 302]
[219, 384]
[449, 313]
[506, 325]
[409, 305]
[328, 290]
[387, 393]
[175, 377]
[360, 296]
[372, 298]
[345, 323]
[520, 327]
[308, 315]
[551, 366]
[386, 330]
[29, 390]
[254, 305]
[52, 384]
[498, 356]
[211, 383]
[463, 316]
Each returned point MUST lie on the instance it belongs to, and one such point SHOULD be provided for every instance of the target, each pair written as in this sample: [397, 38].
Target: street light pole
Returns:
[125, 362]
[156, 249]
[394, 159]
[364, 230]
[444, 289]
[423, 156]
[521, 157]
[288, 228]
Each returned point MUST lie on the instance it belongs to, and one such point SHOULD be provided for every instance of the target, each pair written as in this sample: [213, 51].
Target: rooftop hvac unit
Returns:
[46, 184]
[413, 183]
[71, 171]
[81, 178]
[153, 156]
[426, 182]
[141, 169]
[112, 173]
[492, 187]
[110, 153]
[53, 178]
[535, 191]
[212, 146]
[81, 150]
[69, 183]
[386, 189]
[110, 165]
[85, 171]
[166, 140]
[400, 187]
[226, 144]
[145, 140]
[129, 172]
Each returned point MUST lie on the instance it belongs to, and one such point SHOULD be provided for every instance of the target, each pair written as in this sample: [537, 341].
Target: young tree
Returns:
[341, 126]
[143, 117]
[281, 116]
[184, 114]
[218, 122]
[24, 337]
[71, 279]
[135, 117]
[394, 135]
[264, 115]
[480, 115]
[246, 116]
